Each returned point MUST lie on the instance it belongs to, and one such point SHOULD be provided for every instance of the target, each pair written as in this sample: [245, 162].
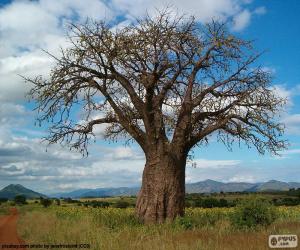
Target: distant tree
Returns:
[99, 204]
[223, 203]
[45, 202]
[57, 202]
[20, 199]
[210, 202]
[70, 200]
[3, 200]
[168, 83]
[121, 204]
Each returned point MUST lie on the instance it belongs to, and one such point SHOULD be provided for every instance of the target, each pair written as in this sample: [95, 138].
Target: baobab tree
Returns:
[168, 83]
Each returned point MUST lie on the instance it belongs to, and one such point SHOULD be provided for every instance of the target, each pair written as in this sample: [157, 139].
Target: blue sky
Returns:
[26, 27]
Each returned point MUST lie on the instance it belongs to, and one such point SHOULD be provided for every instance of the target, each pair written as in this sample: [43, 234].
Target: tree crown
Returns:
[163, 79]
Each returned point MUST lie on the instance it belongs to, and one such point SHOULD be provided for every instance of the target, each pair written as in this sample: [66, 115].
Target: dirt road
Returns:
[8, 231]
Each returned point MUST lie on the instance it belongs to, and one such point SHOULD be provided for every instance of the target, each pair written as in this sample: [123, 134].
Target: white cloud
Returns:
[94, 9]
[260, 10]
[243, 178]
[241, 20]
[30, 32]
[292, 123]
[269, 69]
[42, 27]
[291, 151]
[11, 113]
[203, 10]
[282, 91]
[12, 85]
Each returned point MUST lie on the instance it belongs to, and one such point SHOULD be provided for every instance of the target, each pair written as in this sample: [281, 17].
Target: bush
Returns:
[189, 203]
[100, 204]
[45, 202]
[223, 203]
[3, 200]
[254, 212]
[121, 204]
[210, 202]
[184, 223]
[20, 199]
[70, 200]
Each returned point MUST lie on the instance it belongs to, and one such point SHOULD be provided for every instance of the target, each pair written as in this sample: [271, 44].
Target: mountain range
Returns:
[207, 186]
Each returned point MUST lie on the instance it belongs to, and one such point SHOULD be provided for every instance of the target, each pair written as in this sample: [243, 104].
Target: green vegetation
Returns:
[45, 202]
[57, 201]
[252, 213]
[3, 200]
[20, 200]
[121, 204]
[115, 228]
[99, 223]
[277, 198]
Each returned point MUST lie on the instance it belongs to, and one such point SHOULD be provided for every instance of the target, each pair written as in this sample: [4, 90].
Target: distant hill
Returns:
[273, 185]
[98, 192]
[121, 191]
[10, 191]
[294, 184]
[207, 186]
[210, 186]
[72, 194]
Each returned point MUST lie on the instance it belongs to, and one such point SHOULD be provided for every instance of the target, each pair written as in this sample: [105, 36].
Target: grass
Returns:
[4, 207]
[112, 228]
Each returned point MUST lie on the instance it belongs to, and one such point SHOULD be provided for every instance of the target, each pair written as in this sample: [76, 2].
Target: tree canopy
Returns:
[188, 79]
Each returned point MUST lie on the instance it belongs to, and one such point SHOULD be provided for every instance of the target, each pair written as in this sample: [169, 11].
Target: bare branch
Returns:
[164, 82]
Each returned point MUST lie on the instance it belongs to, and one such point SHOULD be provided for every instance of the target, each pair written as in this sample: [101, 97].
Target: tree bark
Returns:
[163, 188]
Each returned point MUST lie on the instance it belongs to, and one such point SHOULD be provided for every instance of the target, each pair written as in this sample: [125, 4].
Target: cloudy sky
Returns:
[27, 27]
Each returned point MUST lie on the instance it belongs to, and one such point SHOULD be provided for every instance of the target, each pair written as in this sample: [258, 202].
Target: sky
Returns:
[29, 27]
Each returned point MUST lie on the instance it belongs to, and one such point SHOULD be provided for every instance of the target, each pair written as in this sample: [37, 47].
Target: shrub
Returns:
[45, 202]
[20, 199]
[210, 202]
[70, 200]
[253, 212]
[100, 204]
[2, 200]
[223, 203]
[189, 203]
[121, 204]
[184, 222]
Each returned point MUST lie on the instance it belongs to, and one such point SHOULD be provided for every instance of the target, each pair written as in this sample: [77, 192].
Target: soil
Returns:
[8, 231]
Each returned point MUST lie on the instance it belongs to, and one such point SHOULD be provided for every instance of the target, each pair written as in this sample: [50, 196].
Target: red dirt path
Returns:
[8, 230]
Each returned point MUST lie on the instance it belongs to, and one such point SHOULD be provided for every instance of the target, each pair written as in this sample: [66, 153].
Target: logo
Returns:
[283, 241]
[273, 241]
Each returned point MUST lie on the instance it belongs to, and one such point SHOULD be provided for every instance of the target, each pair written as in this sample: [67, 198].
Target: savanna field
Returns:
[117, 228]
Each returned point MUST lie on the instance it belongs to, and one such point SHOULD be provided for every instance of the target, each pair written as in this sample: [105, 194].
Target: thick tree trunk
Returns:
[163, 188]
